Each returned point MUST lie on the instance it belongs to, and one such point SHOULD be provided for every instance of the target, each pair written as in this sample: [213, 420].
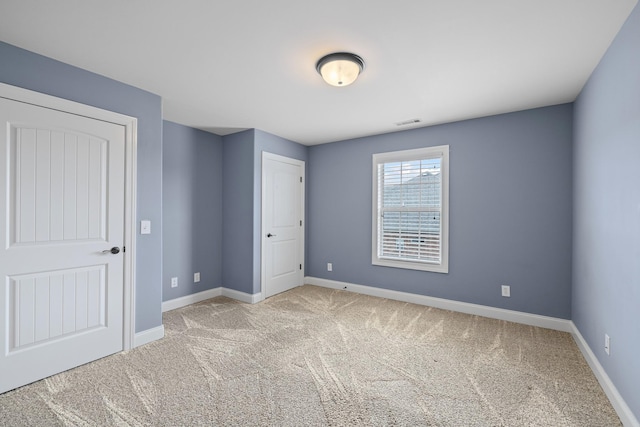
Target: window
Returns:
[411, 209]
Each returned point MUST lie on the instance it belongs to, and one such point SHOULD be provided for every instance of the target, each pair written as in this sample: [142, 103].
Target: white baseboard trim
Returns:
[150, 335]
[191, 299]
[618, 403]
[445, 304]
[210, 293]
[242, 296]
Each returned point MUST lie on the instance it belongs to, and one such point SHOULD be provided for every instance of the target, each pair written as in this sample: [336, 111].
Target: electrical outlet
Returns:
[174, 282]
[506, 291]
[329, 266]
[607, 344]
[196, 277]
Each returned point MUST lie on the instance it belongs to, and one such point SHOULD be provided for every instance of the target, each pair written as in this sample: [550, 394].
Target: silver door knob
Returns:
[114, 250]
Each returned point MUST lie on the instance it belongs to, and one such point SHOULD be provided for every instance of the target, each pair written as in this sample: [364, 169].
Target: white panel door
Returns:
[282, 223]
[62, 211]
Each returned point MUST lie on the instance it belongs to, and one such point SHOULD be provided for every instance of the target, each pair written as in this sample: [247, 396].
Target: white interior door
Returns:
[62, 211]
[282, 223]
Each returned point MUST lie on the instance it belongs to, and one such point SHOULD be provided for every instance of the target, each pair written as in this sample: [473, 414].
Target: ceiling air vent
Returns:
[408, 122]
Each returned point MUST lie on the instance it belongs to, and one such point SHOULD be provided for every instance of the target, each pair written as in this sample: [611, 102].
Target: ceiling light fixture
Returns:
[340, 68]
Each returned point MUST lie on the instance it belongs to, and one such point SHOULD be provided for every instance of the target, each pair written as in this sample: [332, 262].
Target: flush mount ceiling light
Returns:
[340, 68]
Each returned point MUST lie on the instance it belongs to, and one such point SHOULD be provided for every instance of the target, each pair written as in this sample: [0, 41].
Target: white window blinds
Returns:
[410, 207]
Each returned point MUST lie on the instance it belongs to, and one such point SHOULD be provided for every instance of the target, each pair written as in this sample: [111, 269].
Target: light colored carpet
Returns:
[314, 356]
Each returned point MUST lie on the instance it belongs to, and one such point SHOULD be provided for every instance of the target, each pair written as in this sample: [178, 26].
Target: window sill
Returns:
[408, 265]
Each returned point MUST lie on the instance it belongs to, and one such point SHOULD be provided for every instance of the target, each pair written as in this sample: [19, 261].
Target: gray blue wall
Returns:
[28, 70]
[606, 260]
[510, 211]
[192, 210]
[237, 211]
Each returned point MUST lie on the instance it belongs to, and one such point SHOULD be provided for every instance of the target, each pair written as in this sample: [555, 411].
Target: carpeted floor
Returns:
[314, 356]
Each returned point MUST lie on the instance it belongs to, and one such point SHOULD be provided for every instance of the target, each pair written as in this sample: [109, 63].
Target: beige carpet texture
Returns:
[319, 357]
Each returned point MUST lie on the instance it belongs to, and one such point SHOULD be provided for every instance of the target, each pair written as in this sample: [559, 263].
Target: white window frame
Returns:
[441, 151]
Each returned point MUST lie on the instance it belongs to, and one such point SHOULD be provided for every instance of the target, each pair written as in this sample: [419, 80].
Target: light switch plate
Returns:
[145, 227]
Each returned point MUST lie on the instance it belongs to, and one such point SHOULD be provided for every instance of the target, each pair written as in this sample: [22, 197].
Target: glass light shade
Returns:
[340, 69]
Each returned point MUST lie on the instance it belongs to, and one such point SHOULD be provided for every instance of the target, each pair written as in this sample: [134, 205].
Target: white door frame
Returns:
[263, 241]
[131, 135]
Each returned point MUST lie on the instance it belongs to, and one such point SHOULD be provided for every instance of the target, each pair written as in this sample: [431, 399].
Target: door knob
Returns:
[114, 250]
[271, 235]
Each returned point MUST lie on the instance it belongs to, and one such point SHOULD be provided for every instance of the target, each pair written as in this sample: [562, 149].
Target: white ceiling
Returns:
[224, 66]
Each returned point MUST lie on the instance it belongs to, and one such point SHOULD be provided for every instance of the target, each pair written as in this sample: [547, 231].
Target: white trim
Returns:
[618, 403]
[210, 293]
[445, 304]
[242, 296]
[150, 335]
[191, 299]
[130, 221]
[131, 125]
[263, 240]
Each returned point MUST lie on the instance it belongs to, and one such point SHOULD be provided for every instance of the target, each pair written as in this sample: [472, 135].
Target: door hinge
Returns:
[300, 179]
[300, 266]
[124, 249]
[300, 223]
